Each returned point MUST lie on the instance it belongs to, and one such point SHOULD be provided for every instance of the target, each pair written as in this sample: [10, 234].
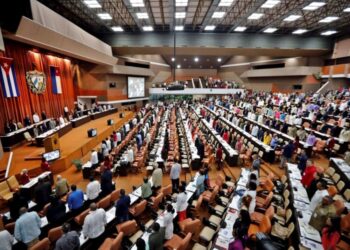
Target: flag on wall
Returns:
[8, 77]
[56, 80]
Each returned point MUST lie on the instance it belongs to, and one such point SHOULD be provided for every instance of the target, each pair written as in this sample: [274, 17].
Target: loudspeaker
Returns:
[121, 115]
[110, 122]
[92, 132]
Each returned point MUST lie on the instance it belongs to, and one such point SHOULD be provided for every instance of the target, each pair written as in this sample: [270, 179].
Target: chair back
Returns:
[140, 208]
[291, 228]
[27, 136]
[167, 190]
[192, 227]
[5, 191]
[268, 199]
[105, 202]
[340, 185]
[289, 214]
[117, 242]
[79, 219]
[270, 212]
[115, 195]
[265, 225]
[185, 242]
[44, 244]
[157, 200]
[332, 190]
[347, 194]
[13, 183]
[54, 234]
[128, 228]
[339, 206]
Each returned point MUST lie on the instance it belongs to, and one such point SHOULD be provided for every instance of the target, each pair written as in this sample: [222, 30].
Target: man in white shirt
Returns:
[93, 189]
[119, 137]
[130, 155]
[255, 131]
[127, 127]
[94, 226]
[61, 120]
[6, 240]
[175, 172]
[157, 177]
[36, 118]
[94, 158]
[319, 194]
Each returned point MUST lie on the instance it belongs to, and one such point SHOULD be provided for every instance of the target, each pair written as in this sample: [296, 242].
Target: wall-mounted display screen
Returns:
[136, 87]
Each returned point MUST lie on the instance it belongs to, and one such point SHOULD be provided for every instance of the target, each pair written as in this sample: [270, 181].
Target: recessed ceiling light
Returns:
[104, 16]
[218, 14]
[180, 14]
[210, 27]
[328, 19]
[137, 3]
[270, 4]
[314, 5]
[255, 16]
[291, 18]
[147, 28]
[328, 32]
[178, 66]
[219, 59]
[142, 15]
[299, 31]
[270, 30]
[181, 3]
[240, 29]
[173, 59]
[196, 59]
[179, 28]
[117, 29]
[93, 4]
[347, 9]
[225, 3]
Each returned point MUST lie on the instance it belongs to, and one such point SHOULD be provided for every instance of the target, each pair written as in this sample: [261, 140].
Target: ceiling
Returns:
[197, 62]
[199, 15]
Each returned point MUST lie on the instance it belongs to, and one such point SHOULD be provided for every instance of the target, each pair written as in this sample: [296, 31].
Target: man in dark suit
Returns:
[42, 193]
[106, 182]
[43, 115]
[27, 122]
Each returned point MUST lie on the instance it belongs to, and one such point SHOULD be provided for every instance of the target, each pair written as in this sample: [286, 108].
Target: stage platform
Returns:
[73, 145]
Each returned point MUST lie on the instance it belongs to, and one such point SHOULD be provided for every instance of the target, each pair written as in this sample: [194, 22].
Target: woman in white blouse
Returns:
[168, 222]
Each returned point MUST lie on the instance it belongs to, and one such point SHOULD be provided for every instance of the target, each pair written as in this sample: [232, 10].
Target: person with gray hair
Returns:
[69, 240]
[94, 225]
[61, 187]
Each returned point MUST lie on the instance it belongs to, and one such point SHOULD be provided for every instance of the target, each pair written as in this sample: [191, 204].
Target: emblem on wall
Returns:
[36, 81]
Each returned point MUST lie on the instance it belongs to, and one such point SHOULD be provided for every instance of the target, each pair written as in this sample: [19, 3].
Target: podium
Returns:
[52, 143]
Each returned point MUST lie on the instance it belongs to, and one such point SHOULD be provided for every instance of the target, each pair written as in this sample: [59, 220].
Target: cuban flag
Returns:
[56, 80]
[8, 77]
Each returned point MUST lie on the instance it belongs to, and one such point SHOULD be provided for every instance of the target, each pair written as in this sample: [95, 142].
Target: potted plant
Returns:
[78, 164]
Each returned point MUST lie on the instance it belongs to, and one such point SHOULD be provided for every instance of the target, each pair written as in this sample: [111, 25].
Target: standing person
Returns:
[93, 190]
[56, 211]
[17, 202]
[106, 182]
[69, 240]
[27, 227]
[42, 193]
[146, 189]
[302, 161]
[62, 186]
[200, 183]
[122, 207]
[311, 190]
[75, 200]
[24, 177]
[319, 194]
[157, 177]
[322, 212]
[238, 242]
[331, 233]
[287, 154]
[181, 204]
[94, 159]
[45, 166]
[218, 157]
[156, 239]
[175, 172]
[256, 162]
[130, 155]
[94, 225]
[168, 222]
[309, 173]
[6, 240]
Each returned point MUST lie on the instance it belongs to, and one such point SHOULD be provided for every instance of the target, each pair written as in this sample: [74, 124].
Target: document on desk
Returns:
[235, 202]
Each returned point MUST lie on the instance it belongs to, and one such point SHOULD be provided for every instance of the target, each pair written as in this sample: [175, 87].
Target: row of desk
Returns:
[342, 168]
[231, 154]
[269, 153]
[10, 140]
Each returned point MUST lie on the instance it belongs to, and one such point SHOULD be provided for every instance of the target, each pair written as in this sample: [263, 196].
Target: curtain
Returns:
[25, 59]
